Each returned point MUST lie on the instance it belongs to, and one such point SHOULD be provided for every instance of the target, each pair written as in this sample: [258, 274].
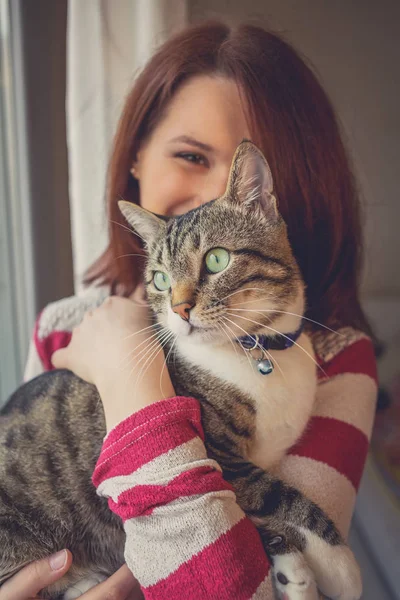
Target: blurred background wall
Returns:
[44, 42]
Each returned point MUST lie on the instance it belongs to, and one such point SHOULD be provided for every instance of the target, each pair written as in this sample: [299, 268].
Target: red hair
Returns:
[292, 121]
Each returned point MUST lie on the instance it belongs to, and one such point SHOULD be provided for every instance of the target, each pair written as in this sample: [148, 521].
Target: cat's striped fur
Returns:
[47, 500]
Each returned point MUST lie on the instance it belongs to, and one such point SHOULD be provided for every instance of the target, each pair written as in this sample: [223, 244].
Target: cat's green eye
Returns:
[217, 260]
[161, 281]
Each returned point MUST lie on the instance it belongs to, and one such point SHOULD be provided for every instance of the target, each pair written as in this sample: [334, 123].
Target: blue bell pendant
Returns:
[265, 366]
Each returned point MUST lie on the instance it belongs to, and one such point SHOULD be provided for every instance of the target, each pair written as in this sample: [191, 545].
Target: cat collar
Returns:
[262, 343]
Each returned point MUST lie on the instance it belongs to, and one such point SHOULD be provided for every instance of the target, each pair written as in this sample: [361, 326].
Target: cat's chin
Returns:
[194, 331]
[198, 334]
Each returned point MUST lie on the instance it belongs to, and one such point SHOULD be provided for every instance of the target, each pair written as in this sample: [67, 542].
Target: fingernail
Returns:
[57, 561]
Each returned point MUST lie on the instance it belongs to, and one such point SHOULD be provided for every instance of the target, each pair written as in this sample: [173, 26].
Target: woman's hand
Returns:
[111, 349]
[28, 582]
[103, 340]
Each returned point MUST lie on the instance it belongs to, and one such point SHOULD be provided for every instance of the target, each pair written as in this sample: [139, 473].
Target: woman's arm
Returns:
[184, 528]
[327, 463]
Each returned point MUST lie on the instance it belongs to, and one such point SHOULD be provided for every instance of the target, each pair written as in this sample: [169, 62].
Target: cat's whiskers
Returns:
[165, 362]
[283, 335]
[273, 310]
[143, 342]
[159, 339]
[148, 338]
[152, 343]
[127, 229]
[285, 312]
[149, 351]
[153, 354]
[275, 360]
[135, 360]
[221, 326]
[140, 331]
[238, 292]
[246, 354]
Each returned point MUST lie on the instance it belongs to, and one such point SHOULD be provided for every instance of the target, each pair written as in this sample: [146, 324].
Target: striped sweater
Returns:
[185, 532]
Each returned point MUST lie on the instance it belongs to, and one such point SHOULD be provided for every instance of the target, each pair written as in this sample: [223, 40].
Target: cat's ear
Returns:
[250, 181]
[146, 224]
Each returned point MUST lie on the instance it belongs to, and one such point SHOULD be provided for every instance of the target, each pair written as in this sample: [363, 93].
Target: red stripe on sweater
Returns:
[46, 346]
[356, 358]
[144, 499]
[335, 443]
[237, 564]
[153, 431]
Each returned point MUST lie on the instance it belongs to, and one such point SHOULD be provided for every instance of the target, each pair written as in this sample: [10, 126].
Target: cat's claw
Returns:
[336, 571]
[293, 578]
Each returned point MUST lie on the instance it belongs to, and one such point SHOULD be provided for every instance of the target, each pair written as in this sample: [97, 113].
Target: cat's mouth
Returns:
[194, 328]
[201, 333]
[199, 329]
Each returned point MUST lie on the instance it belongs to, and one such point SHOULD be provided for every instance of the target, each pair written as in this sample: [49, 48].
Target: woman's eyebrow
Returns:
[193, 142]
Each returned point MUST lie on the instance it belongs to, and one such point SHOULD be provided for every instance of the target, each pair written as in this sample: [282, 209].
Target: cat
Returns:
[216, 278]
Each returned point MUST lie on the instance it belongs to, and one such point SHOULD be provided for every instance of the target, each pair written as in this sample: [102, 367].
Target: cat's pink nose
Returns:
[183, 310]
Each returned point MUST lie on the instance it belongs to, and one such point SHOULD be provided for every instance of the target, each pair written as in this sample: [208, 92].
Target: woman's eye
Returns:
[161, 281]
[191, 157]
[217, 260]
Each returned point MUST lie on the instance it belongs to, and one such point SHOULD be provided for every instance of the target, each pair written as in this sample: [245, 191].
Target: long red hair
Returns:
[292, 120]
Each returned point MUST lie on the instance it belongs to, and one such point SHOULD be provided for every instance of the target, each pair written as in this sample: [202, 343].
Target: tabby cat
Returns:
[216, 277]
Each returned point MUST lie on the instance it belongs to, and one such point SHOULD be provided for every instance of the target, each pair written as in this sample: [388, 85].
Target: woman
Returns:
[200, 95]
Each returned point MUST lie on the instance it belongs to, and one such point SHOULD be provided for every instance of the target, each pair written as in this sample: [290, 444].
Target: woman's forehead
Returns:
[208, 110]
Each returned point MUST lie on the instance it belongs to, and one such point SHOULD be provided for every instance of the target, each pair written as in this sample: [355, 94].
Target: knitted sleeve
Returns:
[53, 328]
[328, 462]
[186, 535]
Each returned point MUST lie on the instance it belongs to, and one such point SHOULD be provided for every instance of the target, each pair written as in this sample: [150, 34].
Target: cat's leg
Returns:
[300, 525]
[334, 567]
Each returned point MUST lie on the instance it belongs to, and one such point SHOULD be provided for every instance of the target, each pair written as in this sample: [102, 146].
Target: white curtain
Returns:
[108, 42]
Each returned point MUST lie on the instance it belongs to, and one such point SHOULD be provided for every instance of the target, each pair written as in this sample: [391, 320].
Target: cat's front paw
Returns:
[335, 569]
[82, 586]
[293, 578]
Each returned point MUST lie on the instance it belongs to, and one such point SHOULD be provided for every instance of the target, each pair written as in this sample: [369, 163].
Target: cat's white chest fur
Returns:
[283, 399]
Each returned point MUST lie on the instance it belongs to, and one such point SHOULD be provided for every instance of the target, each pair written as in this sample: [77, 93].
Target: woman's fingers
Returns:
[60, 359]
[120, 586]
[28, 582]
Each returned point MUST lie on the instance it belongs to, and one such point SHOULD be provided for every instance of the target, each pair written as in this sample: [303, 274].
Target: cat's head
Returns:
[226, 268]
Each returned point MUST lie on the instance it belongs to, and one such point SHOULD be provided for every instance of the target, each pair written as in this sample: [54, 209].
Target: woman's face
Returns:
[186, 160]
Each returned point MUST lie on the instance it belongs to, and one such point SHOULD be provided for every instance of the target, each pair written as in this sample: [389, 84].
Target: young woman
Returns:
[200, 95]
